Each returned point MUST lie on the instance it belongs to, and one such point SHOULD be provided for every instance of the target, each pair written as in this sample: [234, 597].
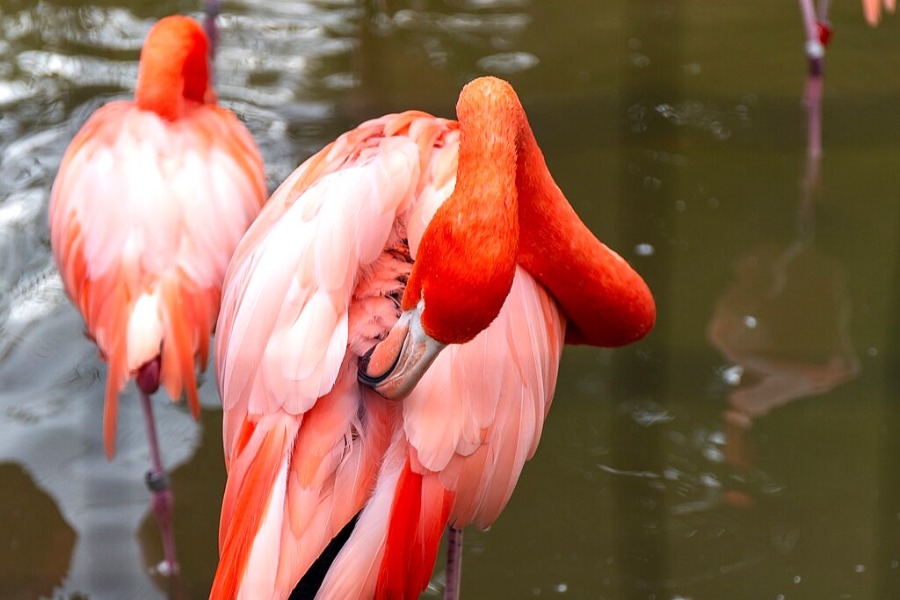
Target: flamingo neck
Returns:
[173, 68]
[606, 301]
[467, 257]
[507, 210]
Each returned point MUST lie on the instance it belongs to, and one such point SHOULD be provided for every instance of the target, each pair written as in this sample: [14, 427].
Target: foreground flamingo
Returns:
[150, 200]
[450, 242]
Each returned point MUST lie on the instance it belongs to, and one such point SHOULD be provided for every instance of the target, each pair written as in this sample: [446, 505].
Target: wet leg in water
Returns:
[454, 563]
[157, 479]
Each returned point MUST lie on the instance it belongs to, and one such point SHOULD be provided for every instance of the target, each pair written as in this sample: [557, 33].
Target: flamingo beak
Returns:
[395, 365]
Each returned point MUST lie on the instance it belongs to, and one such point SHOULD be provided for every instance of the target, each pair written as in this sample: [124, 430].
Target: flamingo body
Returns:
[151, 198]
[322, 276]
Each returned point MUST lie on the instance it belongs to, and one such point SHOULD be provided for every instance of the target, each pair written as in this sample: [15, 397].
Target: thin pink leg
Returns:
[812, 176]
[157, 480]
[815, 51]
[454, 563]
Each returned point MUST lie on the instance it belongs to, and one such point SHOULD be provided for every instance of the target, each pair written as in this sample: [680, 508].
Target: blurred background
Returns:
[748, 448]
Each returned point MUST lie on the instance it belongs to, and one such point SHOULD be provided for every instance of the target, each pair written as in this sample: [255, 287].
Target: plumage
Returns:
[323, 276]
[145, 212]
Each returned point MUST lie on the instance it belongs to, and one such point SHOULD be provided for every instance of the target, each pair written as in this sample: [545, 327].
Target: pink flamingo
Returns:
[150, 201]
[450, 244]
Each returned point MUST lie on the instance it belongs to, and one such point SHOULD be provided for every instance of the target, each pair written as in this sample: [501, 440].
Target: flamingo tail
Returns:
[253, 506]
[414, 535]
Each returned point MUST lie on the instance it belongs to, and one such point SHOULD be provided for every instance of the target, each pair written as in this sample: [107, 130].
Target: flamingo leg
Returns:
[158, 482]
[815, 51]
[824, 5]
[454, 563]
[211, 9]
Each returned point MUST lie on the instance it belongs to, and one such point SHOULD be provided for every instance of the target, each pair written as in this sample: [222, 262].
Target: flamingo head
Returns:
[463, 273]
[467, 257]
[505, 210]
[174, 68]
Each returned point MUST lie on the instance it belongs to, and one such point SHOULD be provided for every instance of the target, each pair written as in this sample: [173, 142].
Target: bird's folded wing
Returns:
[477, 415]
[300, 453]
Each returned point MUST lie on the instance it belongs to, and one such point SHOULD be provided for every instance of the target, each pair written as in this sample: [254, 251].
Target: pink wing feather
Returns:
[489, 398]
[477, 417]
[287, 348]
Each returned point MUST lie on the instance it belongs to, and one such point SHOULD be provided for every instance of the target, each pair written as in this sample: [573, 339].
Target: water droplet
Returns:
[639, 60]
[750, 322]
[709, 480]
[796, 579]
[644, 249]
[732, 375]
[652, 183]
[508, 62]
[859, 569]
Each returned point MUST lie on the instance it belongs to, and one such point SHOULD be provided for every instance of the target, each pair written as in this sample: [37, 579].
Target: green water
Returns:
[748, 448]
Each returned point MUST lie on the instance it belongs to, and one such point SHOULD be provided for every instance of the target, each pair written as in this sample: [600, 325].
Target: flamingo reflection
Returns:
[785, 322]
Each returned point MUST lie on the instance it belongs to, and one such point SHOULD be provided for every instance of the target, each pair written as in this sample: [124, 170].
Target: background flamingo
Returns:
[459, 230]
[149, 202]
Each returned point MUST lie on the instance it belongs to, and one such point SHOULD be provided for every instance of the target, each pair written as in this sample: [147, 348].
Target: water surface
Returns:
[746, 449]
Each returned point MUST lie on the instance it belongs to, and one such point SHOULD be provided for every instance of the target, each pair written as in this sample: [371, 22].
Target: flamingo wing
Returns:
[468, 428]
[303, 440]
[492, 396]
[144, 215]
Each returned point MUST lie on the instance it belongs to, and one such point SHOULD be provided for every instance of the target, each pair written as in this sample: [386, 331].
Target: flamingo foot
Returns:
[163, 503]
[454, 563]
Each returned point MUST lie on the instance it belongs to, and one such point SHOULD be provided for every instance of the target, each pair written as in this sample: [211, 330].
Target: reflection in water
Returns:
[785, 322]
[32, 560]
[51, 426]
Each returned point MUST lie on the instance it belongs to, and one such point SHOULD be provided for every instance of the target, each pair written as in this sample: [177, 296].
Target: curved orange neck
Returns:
[506, 209]
[173, 67]
[467, 257]
[606, 301]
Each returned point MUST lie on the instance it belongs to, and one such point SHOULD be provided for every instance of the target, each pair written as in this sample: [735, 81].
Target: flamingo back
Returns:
[144, 216]
[307, 293]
